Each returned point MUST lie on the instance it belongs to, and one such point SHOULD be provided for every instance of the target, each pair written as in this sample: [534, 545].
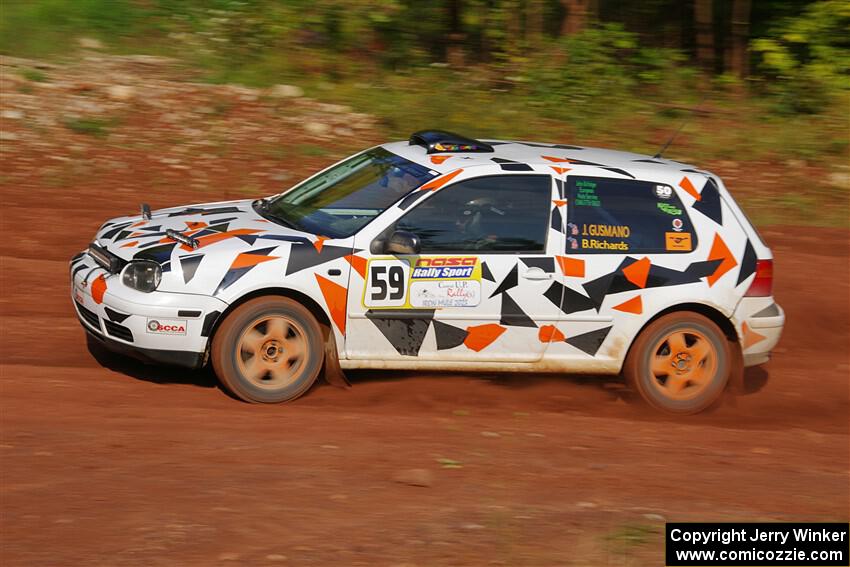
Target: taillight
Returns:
[762, 286]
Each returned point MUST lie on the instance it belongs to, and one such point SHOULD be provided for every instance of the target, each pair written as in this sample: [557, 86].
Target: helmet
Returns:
[477, 216]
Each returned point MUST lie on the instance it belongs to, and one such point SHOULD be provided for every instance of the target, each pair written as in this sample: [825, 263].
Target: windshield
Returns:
[342, 200]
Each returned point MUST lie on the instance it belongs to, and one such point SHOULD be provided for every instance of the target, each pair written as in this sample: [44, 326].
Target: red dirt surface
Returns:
[108, 462]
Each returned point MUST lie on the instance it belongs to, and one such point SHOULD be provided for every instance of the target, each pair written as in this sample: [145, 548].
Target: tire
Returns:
[680, 363]
[268, 350]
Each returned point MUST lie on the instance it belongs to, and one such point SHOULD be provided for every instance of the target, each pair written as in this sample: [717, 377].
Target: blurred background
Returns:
[765, 84]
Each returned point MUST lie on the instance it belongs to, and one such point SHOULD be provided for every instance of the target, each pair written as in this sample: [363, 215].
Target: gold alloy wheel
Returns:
[683, 364]
[272, 352]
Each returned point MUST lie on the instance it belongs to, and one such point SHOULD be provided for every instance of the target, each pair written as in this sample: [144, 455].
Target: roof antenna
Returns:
[681, 126]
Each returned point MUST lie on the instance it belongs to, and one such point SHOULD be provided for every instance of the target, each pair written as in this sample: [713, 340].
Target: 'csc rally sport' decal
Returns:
[423, 282]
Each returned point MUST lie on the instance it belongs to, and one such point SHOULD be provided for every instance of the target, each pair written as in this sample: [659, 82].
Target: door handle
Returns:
[536, 273]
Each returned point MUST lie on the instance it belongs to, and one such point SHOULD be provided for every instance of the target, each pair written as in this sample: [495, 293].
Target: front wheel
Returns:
[268, 350]
[680, 363]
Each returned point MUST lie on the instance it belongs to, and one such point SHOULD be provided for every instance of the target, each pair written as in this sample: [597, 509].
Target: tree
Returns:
[576, 15]
[737, 59]
[704, 33]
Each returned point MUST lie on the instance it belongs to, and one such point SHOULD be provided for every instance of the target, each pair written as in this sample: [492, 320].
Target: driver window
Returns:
[500, 213]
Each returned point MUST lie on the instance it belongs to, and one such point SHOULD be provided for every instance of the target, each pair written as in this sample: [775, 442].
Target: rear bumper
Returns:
[760, 322]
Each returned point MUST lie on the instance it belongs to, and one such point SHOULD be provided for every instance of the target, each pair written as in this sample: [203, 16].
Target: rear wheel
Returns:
[680, 363]
[268, 350]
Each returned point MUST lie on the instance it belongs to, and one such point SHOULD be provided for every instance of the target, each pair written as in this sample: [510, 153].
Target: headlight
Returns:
[142, 275]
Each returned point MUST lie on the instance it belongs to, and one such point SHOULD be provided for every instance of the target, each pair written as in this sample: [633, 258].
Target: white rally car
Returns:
[447, 253]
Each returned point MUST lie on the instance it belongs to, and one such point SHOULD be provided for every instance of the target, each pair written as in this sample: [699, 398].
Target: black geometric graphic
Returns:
[658, 276]
[304, 256]
[557, 219]
[234, 274]
[709, 202]
[190, 264]
[568, 300]
[486, 273]
[748, 263]
[404, 329]
[448, 336]
[511, 281]
[560, 185]
[160, 253]
[589, 342]
[513, 315]
[115, 230]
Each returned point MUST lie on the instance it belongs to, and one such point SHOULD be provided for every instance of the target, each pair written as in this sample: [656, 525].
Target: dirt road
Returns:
[106, 462]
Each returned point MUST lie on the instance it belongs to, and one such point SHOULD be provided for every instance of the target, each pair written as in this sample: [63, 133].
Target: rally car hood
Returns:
[218, 245]
[220, 228]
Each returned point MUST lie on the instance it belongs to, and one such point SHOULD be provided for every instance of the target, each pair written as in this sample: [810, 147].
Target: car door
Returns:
[473, 291]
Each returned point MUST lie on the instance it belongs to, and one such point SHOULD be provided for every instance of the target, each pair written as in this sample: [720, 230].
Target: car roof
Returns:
[640, 166]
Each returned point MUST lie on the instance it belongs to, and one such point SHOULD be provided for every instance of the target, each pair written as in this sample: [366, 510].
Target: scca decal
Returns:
[166, 327]
[447, 261]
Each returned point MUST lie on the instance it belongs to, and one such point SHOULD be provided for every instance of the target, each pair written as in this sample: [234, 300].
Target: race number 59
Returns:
[386, 284]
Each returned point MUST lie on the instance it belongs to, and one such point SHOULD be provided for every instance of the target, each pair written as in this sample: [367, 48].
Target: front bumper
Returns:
[159, 327]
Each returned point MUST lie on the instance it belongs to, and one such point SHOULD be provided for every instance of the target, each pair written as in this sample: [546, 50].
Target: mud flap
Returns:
[332, 370]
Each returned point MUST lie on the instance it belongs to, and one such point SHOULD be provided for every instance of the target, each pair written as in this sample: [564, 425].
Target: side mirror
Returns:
[403, 242]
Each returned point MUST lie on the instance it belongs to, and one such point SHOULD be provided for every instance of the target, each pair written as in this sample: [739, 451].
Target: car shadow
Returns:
[755, 379]
[157, 374]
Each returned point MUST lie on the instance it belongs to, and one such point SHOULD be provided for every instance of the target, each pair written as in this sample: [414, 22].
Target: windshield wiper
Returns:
[262, 207]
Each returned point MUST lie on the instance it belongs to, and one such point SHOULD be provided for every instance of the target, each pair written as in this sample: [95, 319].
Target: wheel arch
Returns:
[712, 313]
[311, 304]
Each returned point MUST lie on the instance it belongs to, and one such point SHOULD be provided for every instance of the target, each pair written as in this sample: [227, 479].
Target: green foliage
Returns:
[97, 127]
[33, 75]
[808, 57]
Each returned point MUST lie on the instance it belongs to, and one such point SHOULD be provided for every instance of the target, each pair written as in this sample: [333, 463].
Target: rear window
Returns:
[623, 216]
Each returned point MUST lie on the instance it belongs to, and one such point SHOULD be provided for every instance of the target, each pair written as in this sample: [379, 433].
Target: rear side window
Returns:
[623, 216]
[499, 213]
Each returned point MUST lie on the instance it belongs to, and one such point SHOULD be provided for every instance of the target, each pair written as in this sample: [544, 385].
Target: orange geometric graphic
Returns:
[192, 225]
[638, 272]
[320, 241]
[130, 244]
[358, 263]
[439, 159]
[248, 260]
[556, 159]
[560, 170]
[98, 288]
[336, 298]
[572, 267]
[719, 251]
[550, 334]
[480, 337]
[750, 336]
[634, 305]
[559, 203]
[686, 184]
[440, 181]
